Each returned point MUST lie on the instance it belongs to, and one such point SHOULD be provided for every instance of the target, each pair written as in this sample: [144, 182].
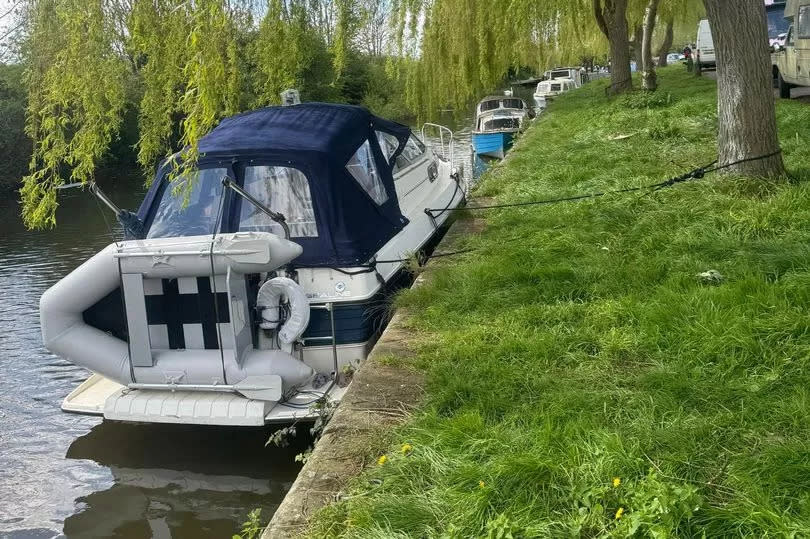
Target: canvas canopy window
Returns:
[284, 190]
[804, 22]
[502, 123]
[340, 221]
[388, 144]
[363, 168]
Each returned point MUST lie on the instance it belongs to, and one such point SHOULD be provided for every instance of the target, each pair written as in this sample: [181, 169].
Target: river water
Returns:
[67, 475]
[72, 475]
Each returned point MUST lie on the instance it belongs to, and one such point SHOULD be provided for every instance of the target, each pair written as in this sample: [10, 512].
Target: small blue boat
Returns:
[493, 145]
[498, 119]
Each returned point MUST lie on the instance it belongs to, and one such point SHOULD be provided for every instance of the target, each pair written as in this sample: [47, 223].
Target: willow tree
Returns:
[611, 16]
[668, 10]
[189, 57]
[75, 99]
[467, 47]
[281, 52]
[746, 111]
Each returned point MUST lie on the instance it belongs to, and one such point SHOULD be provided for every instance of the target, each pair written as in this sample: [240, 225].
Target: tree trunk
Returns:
[649, 80]
[612, 20]
[663, 52]
[635, 45]
[746, 112]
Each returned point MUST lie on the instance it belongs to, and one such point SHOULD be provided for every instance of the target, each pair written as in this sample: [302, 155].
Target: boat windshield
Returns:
[189, 205]
[492, 104]
[502, 123]
[560, 74]
[512, 104]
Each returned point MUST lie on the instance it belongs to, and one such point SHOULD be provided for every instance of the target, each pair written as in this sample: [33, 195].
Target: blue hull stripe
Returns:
[354, 322]
[495, 144]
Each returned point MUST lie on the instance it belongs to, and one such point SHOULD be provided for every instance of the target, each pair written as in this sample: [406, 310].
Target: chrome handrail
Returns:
[446, 155]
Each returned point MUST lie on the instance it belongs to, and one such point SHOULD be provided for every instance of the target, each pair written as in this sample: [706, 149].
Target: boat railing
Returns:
[435, 133]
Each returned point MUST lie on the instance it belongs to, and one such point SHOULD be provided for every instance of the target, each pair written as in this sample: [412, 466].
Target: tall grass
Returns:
[583, 380]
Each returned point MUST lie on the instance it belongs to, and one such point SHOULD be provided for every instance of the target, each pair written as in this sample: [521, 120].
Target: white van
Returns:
[704, 46]
[791, 62]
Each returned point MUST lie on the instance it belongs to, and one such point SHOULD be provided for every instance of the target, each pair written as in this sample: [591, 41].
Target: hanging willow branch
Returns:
[75, 100]
[189, 57]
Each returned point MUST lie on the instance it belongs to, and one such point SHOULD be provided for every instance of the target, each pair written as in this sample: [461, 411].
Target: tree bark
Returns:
[746, 111]
[635, 45]
[663, 52]
[649, 80]
[611, 16]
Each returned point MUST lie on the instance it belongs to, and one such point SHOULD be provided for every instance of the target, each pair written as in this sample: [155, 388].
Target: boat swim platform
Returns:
[102, 397]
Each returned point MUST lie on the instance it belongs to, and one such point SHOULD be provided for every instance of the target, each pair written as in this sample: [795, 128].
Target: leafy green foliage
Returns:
[577, 344]
[282, 51]
[75, 99]
[468, 47]
[645, 100]
[253, 526]
[181, 67]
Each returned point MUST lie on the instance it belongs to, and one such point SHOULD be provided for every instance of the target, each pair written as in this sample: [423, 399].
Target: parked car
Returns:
[791, 61]
[704, 46]
[674, 57]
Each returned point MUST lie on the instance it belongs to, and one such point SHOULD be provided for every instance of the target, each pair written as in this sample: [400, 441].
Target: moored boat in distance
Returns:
[498, 119]
[557, 81]
[250, 284]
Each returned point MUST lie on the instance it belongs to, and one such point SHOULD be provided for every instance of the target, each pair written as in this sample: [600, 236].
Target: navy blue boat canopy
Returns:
[327, 168]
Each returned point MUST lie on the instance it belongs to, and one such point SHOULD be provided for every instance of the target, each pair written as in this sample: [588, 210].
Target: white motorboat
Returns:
[244, 295]
[557, 81]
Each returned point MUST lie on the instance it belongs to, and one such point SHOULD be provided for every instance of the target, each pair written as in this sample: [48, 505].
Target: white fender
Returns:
[269, 300]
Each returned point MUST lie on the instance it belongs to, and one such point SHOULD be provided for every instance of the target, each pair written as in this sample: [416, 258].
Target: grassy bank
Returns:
[583, 381]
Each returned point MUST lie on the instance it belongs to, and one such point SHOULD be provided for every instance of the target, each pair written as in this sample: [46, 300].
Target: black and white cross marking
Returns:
[181, 313]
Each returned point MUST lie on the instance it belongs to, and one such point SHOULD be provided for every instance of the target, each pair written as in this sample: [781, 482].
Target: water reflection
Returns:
[178, 481]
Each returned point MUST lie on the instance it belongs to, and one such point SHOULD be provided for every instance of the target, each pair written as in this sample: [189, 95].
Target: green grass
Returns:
[577, 344]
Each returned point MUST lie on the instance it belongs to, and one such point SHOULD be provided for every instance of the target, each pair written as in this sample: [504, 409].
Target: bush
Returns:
[644, 99]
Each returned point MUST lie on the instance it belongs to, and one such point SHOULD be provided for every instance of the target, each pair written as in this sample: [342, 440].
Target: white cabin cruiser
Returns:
[557, 81]
[243, 305]
[576, 74]
[549, 89]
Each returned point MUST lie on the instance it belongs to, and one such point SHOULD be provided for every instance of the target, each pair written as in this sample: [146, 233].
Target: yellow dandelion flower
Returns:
[406, 448]
[619, 513]
[382, 460]
[616, 482]
[481, 484]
